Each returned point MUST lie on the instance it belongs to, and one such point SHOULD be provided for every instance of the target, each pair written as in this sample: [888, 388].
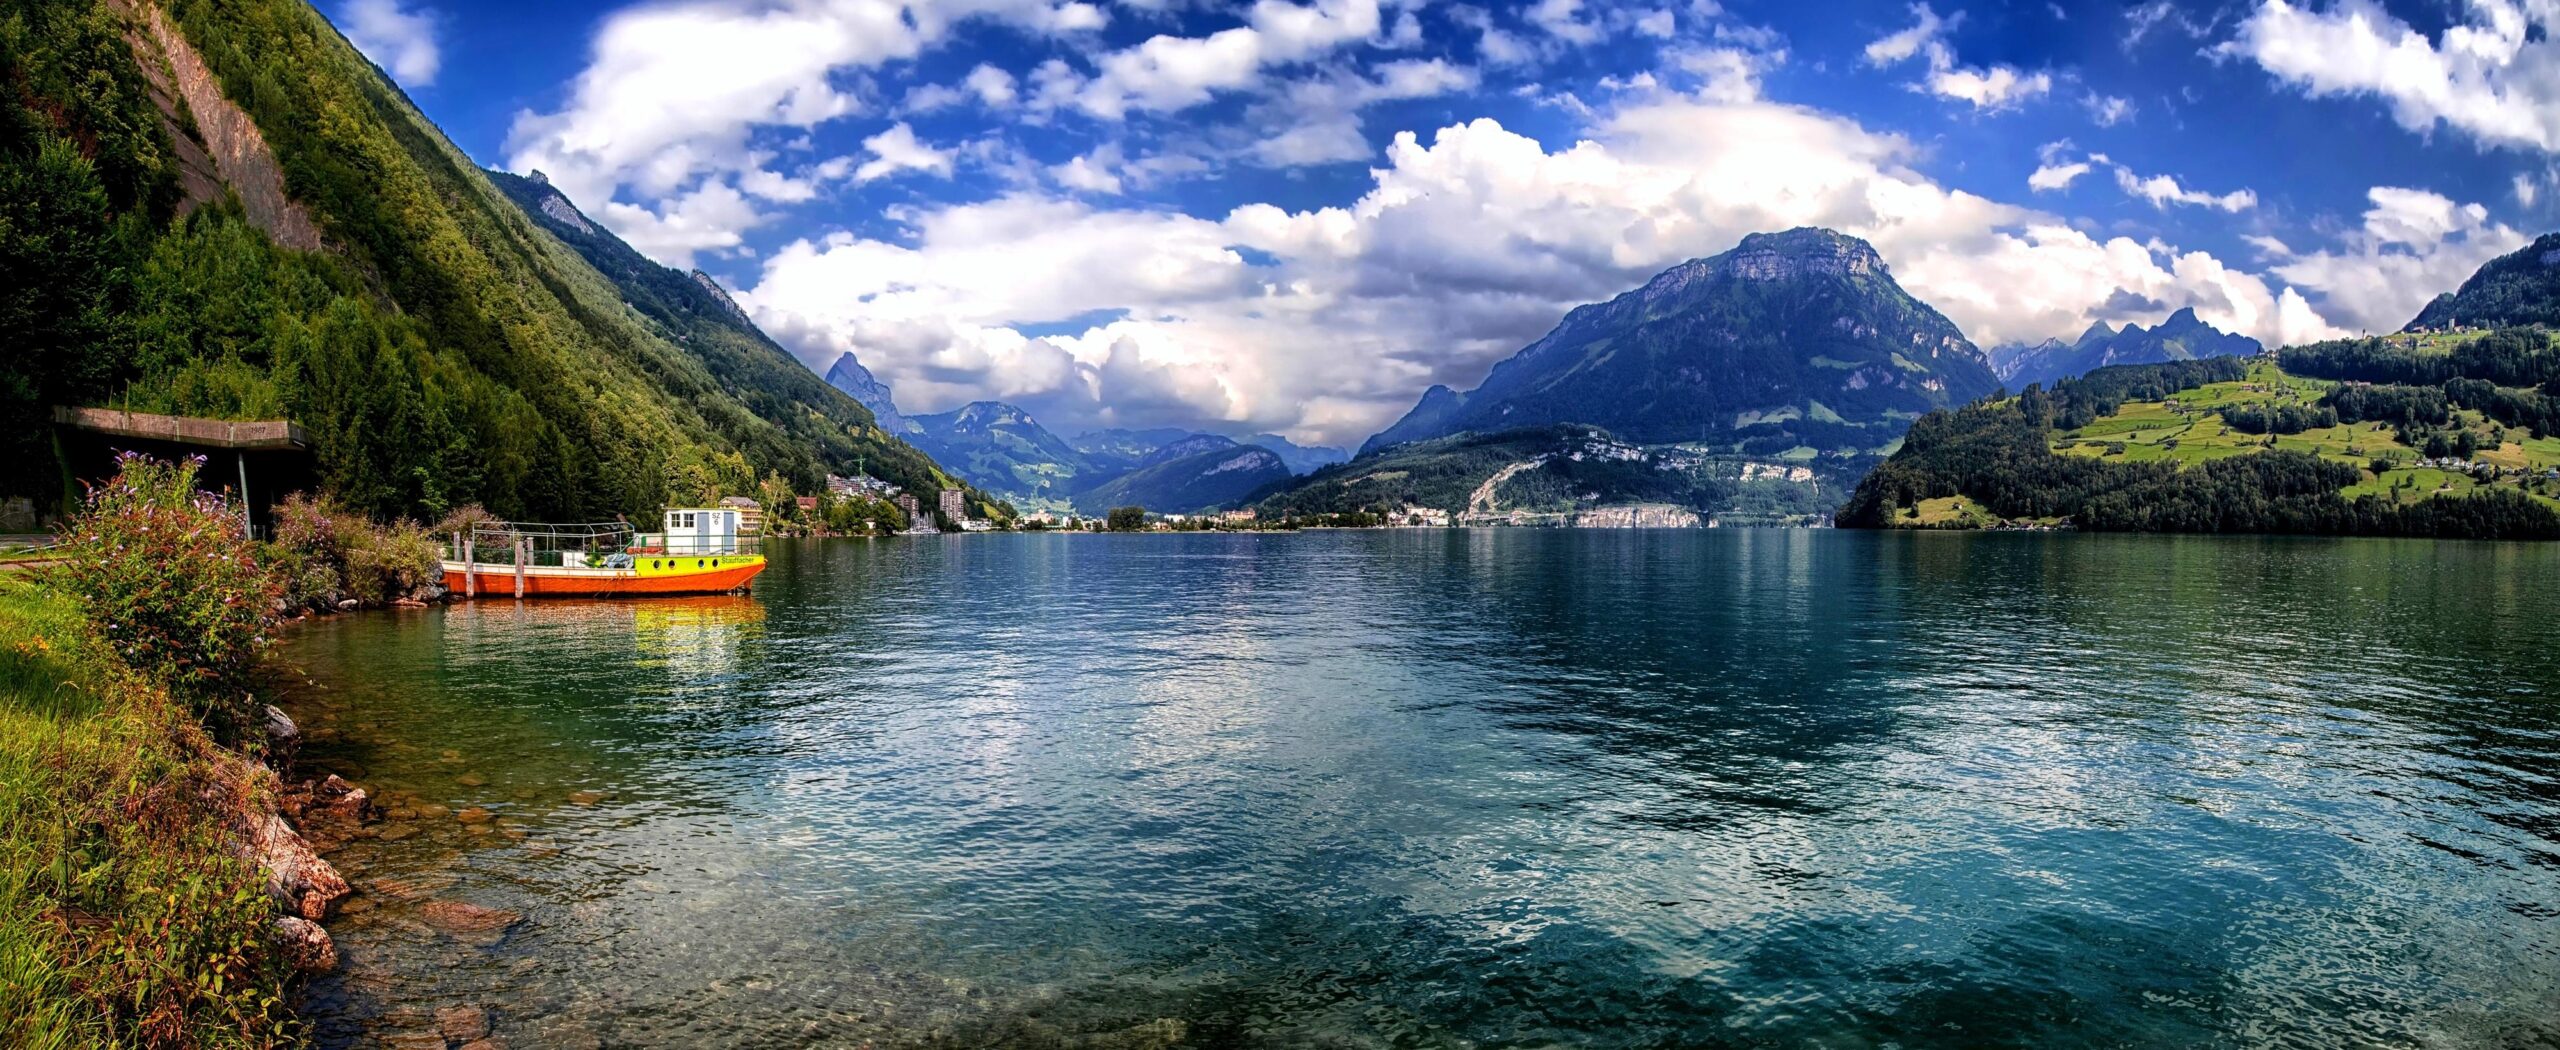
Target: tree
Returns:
[1127, 519]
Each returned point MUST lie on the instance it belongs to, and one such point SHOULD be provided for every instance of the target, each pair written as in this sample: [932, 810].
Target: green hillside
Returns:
[359, 275]
[2348, 437]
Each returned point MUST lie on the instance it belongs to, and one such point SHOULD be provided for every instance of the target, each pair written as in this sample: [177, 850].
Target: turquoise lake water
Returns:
[1474, 788]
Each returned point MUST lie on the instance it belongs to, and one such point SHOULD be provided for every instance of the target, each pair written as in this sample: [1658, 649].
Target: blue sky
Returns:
[1295, 215]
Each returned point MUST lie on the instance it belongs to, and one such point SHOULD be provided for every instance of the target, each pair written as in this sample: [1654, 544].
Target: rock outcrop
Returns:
[229, 139]
[304, 887]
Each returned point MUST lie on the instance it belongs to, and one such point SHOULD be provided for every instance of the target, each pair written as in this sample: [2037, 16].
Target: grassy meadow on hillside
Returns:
[2191, 428]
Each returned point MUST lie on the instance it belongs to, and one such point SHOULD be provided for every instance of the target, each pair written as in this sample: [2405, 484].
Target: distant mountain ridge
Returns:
[1212, 478]
[1001, 448]
[2181, 337]
[1794, 339]
[1301, 459]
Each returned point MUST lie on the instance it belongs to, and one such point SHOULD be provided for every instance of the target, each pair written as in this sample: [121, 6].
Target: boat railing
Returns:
[661, 543]
[610, 544]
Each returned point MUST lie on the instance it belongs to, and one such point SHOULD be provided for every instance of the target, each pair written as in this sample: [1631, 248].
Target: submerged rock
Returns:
[469, 923]
[409, 889]
[463, 1024]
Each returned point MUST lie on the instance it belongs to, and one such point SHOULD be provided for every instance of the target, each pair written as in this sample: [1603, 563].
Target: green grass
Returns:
[1947, 513]
[2193, 432]
[124, 921]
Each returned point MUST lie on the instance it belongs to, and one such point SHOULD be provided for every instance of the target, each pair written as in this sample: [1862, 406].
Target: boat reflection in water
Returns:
[691, 638]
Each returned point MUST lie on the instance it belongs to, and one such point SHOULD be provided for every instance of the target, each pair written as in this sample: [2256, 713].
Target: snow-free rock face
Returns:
[849, 376]
[558, 207]
[712, 285]
[235, 148]
[1791, 340]
[1794, 256]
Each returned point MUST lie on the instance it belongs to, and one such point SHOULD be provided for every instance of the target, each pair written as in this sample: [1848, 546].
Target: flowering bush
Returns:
[170, 582]
[325, 552]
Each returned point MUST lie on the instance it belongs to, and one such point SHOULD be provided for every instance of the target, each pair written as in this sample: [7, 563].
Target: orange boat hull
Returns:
[499, 581]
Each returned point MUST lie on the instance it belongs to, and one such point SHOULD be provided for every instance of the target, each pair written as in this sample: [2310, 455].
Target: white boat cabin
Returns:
[702, 530]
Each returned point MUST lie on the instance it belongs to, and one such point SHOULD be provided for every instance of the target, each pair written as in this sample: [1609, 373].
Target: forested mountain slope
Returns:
[692, 311]
[225, 210]
[2519, 288]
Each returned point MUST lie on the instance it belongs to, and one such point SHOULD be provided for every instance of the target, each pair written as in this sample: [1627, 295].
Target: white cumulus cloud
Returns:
[400, 40]
[898, 149]
[1991, 88]
[1469, 243]
[2413, 245]
[2495, 77]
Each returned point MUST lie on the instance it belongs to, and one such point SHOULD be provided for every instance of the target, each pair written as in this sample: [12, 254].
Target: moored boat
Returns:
[699, 552]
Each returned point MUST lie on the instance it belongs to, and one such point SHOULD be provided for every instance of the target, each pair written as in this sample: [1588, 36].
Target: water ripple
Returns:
[1486, 788]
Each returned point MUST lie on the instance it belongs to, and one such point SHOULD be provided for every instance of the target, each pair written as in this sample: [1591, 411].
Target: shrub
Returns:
[170, 582]
[324, 553]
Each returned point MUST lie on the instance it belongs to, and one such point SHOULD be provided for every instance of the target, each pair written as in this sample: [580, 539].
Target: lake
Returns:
[1473, 788]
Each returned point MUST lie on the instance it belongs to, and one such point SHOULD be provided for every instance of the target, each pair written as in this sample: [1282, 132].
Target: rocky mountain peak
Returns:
[1800, 252]
[850, 376]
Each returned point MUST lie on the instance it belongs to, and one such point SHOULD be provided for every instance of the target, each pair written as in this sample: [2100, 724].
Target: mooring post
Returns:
[521, 544]
[470, 567]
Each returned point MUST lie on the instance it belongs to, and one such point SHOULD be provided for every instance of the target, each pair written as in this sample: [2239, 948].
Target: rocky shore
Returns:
[319, 813]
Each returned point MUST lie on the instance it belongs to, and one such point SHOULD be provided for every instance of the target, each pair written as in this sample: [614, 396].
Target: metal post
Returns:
[521, 543]
[470, 567]
[248, 528]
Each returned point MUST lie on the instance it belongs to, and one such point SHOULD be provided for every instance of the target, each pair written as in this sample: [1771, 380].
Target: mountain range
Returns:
[1003, 449]
[2182, 337]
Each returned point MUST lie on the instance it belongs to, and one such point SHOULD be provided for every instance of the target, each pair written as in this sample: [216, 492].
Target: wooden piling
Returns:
[470, 569]
[521, 558]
